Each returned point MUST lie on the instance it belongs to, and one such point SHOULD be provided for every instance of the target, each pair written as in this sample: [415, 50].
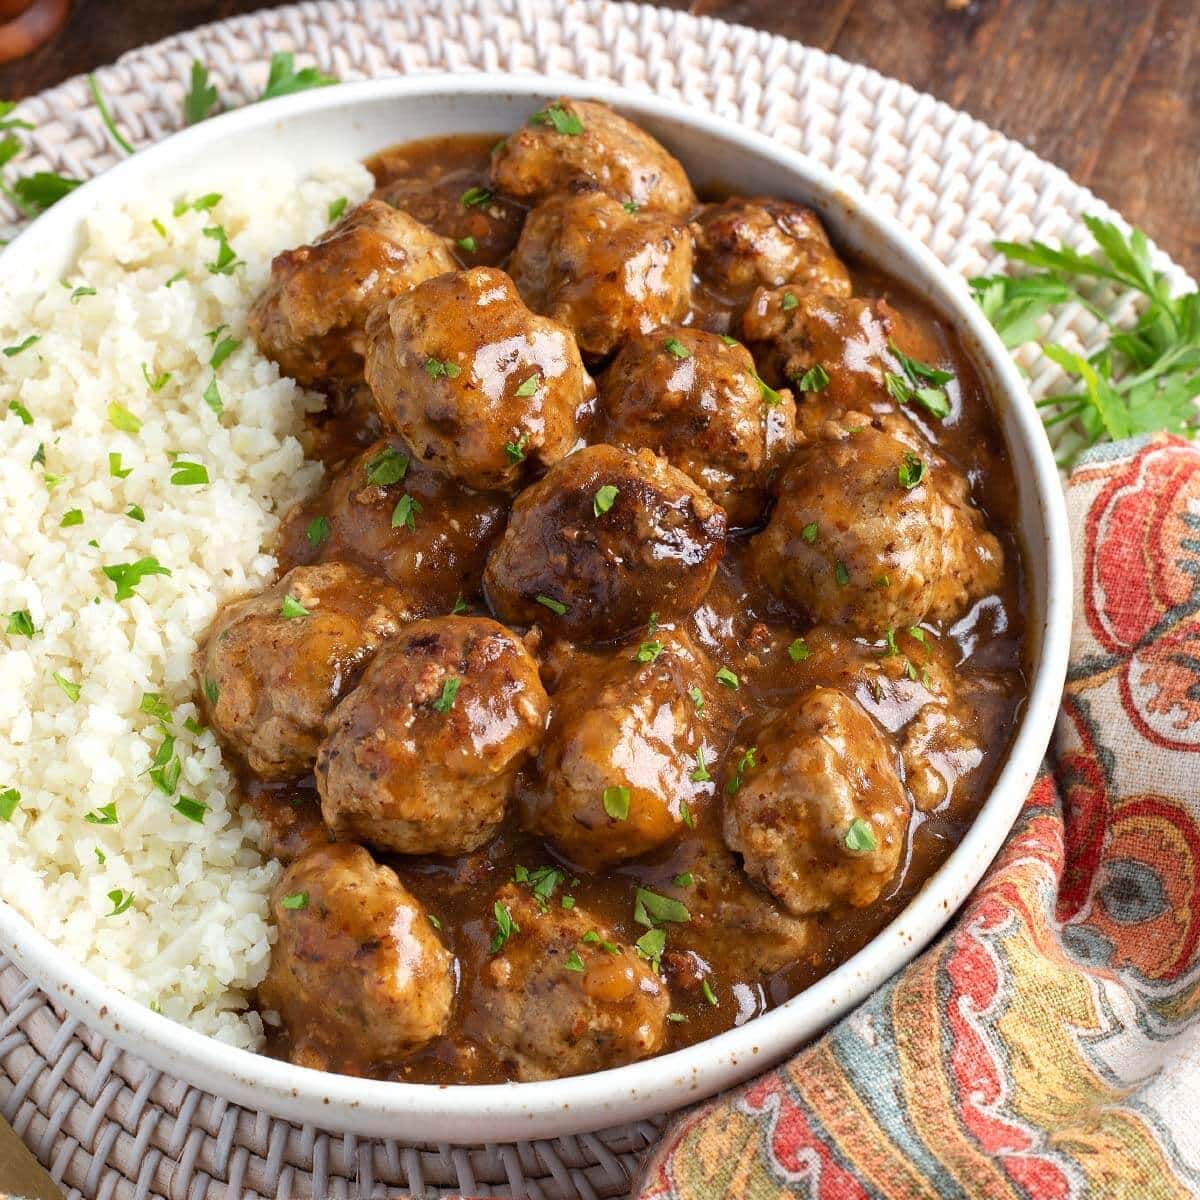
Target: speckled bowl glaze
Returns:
[358, 119]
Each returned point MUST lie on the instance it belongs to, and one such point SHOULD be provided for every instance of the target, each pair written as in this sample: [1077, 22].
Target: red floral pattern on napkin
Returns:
[1046, 1048]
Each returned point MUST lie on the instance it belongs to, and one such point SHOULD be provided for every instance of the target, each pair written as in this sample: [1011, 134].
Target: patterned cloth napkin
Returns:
[1044, 1048]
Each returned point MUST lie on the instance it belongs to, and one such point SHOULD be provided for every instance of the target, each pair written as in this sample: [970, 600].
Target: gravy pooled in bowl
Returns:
[689, 631]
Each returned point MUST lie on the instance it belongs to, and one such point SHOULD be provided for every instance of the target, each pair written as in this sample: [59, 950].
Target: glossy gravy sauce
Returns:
[736, 625]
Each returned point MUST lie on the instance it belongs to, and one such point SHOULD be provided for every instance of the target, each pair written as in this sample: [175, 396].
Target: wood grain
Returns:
[1107, 89]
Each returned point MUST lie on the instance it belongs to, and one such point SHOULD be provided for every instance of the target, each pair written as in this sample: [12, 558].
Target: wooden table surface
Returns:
[1107, 89]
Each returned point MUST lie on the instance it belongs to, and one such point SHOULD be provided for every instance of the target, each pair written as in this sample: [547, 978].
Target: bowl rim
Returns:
[474, 1113]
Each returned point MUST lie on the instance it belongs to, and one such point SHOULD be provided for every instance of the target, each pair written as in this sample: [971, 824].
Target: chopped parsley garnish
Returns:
[562, 120]
[165, 767]
[567, 902]
[406, 512]
[685, 815]
[153, 705]
[158, 228]
[815, 379]
[292, 608]
[911, 471]
[696, 696]
[686, 879]
[574, 962]
[155, 383]
[652, 625]
[788, 302]
[675, 347]
[42, 190]
[729, 341]
[9, 799]
[102, 816]
[127, 576]
[541, 881]
[516, 450]
[120, 901]
[474, 197]
[72, 689]
[101, 857]
[438, 368]
[746, 763]
[445, 702]
[283, 79]
[121, 418]
[387, 467]
[920, 382]
[52, 481]
[651, 945]
[708, 993]
[770, 396]
[201, 98]
[700, 774]
[651, 909]
[106, 116]
[180, 274]
[840, 575]
[676, 1017]
[460, 606]
[555, 606]
[529, 387]
[188, 474]
[631, 206]
[222, 350]
[295, 901]
[647, 652]
[434, 921]
[205, 203]
[336, 208]
[21, 412]
[726, 678]
[73, 516]
[20, 347]
[467, 244]
[798, 650]
[915, 631]
[603, 499]
[114, 466]
[79, 293]
[505, 926]
[212, 396]
[226, 260]
[193, 810]
[193, 726]
[211, 691]
[20, 623]
[39, 455]
[318, 531]
[860, 837]
[616, 802]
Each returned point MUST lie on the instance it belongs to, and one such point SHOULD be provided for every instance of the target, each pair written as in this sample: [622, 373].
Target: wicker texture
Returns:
[104, 1123]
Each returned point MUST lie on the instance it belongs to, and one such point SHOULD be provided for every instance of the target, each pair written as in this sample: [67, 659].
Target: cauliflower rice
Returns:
[104, 862]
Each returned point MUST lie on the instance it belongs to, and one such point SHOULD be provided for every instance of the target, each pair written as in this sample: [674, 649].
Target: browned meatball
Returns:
[603, 540]
[743, 244]
[474, 382]
[626, 761]
[312, 316]
[550, 1003]
[422, 756]
[869, 533]
[357, 975]
[790, 332]
[418, 528]
[605, 273]
[695, 398]
[577, 144]
[817, 811]
[272, 666]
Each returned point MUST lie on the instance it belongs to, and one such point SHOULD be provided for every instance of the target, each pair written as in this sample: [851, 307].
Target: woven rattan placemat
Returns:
[105, 1124]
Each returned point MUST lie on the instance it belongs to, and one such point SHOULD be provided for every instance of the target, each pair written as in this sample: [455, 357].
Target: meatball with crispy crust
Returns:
[476, 384]
[605, 273]
[392, 516]
[272, 666]
[554, 999]
[696, 399]
[792, 333]
[311, 319]
[422, 756]
[627, 756]
[814, 805]
[743, 244]
[603, 540]
[871, 534]
[358, 975]
[574, 145]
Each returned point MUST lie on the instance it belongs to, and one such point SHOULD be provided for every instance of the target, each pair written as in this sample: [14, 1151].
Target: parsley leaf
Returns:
[405, 513]
[9, 799]
[603, 499]
[616, 802]
[127, 576]
[561, 119]
[20, 623]
[318, 531]
[201, 96]
[283, 79]
[860, 837]
[445, 702]
[188, 474]
[106, 116]
[387, 467]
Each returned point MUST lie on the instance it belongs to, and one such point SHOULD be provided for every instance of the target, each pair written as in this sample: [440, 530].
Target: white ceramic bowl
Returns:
[357, 119]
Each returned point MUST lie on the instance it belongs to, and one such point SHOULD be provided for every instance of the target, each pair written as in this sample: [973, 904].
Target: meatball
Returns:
[312, 316]
[605, 273]
[870, 534]
[274, 665]
[745, 244]
[625, 764]
[814, 806]
[606, 538]
[474, 382]
[790, 332]
[422, 756]
[550, 1003]
[390, 515]
[357, 975]
[574, 145]
[697, 400]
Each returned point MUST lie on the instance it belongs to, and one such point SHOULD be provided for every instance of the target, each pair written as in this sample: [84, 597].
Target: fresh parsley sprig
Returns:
[1144, 379]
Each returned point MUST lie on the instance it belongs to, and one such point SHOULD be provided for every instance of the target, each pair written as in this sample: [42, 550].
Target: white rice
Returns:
[194, 940]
